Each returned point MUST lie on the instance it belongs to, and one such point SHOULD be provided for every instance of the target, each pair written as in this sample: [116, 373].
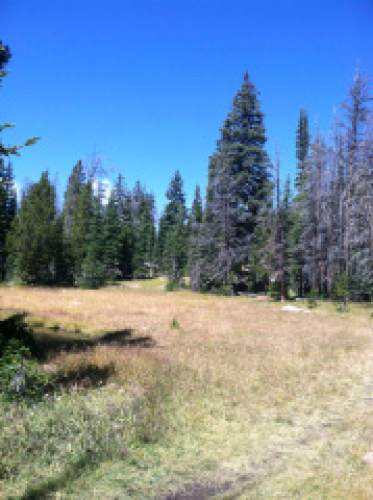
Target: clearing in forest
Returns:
[182, 395]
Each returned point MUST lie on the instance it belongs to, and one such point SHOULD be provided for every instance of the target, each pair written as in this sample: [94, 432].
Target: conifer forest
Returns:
[252, 231]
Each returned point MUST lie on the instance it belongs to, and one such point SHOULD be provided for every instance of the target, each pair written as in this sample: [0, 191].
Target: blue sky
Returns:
[147, 84]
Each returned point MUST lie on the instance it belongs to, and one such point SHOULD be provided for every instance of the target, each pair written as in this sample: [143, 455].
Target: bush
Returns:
[171, 286]
[312, 299]
[174, 325]
[20, 376]
[93, 274]
[340, 292]
[274, 290]
[13, 329]
[225, 291]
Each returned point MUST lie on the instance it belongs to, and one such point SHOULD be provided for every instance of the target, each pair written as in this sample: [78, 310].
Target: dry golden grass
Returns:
[269, 403]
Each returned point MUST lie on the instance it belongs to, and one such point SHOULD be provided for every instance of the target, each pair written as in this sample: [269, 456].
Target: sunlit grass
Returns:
[241, 393]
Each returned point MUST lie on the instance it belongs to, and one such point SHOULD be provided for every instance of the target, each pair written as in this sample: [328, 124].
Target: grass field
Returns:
[177, 394]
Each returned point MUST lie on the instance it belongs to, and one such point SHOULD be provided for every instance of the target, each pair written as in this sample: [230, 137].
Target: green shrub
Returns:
[93, 274]
[174, 325]
[13, 329]
[312, 299]
[340, 292]
[20, 376]
[225, 291]
[171, 286]
[274, 290]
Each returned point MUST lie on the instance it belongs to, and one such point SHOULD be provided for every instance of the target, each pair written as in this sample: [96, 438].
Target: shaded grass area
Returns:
[51, 343]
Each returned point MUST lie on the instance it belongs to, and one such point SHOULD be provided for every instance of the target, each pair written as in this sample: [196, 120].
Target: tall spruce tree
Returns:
[173, 232]
[36, 235]
[93, 272]
[143, 220]
[8, 207]
[194, 234]
[238, 189]
[302, 147]
[116, 241]
[282, 242]
[127, 238]
[77, 213]
[302, 151]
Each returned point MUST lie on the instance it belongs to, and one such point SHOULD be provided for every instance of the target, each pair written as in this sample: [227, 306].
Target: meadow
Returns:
[177, 395]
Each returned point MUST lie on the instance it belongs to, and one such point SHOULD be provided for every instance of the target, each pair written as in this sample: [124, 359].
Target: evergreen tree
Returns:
[194, 246]
[302, 147]
[196, 214]
[8, 207]
[77, 214]
[143, 220]
[127, 238]
[36, 235]
[283, 245]
[115, 237]
[93, 272]
[302, 150]
[238, 190]
[173, 232]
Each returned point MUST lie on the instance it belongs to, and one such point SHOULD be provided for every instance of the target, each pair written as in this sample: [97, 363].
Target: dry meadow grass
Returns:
[261, 403]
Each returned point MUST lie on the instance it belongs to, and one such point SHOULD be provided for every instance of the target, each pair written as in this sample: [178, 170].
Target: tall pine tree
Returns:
[173, 232]
[8, 207]
[36, 235]
[77, 213]
[143, 220]
[238, 189]
[194, 235]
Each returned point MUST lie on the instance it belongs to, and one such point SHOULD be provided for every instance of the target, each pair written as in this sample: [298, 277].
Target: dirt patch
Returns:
[199, 491]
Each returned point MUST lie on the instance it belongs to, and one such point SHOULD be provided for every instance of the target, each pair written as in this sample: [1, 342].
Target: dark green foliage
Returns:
[14, 329]
[312, 298]
[300, 201]
[341, 291]
[127, 239]
[142, 204]
[35, 239]
[20, 377]
[274, 290]
[4, 58]
[302, 147]
[174, 325]
[283, 243]
[77, 213]
[8, 207]
[195, 236]
[118, 233]
[238, 191]
[112, 243]
[93, 272]
[173, 232]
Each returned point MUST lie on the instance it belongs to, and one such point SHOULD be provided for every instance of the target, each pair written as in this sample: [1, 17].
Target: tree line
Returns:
[253, 231]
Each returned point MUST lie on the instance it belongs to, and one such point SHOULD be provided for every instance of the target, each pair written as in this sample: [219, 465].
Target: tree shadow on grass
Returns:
[44, 342]
[51, 343]
[83, 376]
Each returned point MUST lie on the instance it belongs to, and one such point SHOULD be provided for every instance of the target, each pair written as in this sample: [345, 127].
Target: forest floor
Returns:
[175, 395]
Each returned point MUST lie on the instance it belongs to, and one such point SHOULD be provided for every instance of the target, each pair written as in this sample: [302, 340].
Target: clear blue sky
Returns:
[147, 84]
